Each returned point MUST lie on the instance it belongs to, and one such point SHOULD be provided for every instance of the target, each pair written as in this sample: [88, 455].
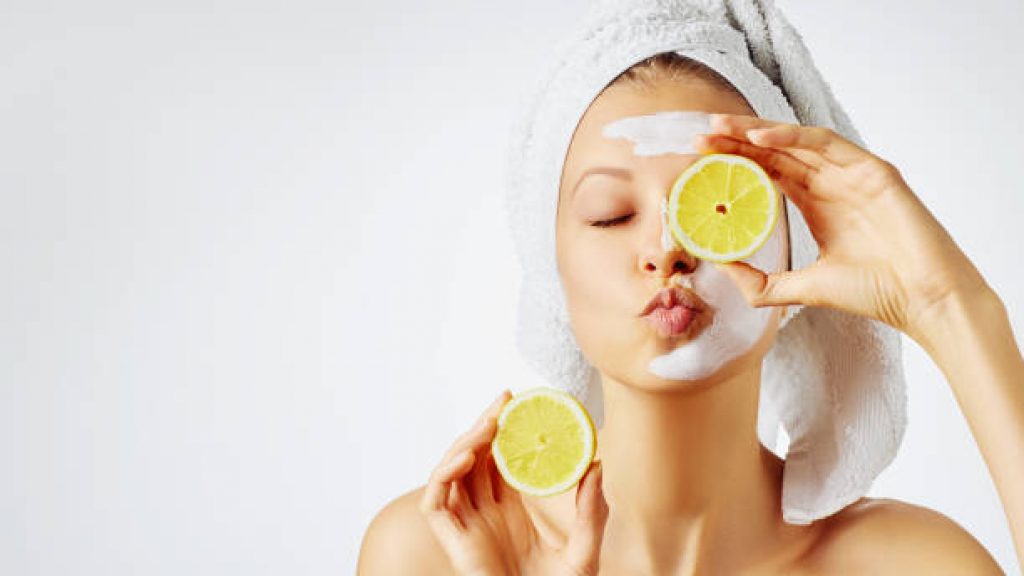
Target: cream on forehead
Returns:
[664, 132]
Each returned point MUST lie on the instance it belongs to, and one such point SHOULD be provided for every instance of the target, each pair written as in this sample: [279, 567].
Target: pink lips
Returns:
[671, 321]
[671, 310]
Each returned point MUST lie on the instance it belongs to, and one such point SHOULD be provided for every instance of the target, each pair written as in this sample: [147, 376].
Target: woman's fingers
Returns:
[481, 492]
[775, 162]
[821, 141]
[583, 549]
[441, 491]
[436, 493]
[762, 289]
[489, 418]
[434, 503]
[458, 500]
[810, 286]
[445, 497]
[795, 176]
[475, 438]
[495, 408]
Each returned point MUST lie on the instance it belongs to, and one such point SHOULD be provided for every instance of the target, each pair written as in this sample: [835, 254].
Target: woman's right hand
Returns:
[482, 524]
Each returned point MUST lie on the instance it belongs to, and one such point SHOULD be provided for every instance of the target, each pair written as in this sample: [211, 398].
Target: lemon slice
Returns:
[544, 442]
[723, 207]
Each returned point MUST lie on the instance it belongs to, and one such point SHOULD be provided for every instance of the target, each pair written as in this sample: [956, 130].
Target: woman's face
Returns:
[610, 273]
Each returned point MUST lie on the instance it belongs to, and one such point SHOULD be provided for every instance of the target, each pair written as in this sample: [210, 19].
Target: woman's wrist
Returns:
[973, 344]
[966, 314]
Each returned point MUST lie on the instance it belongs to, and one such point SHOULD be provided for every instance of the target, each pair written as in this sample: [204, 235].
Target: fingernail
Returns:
[459, 458]
[756, 133]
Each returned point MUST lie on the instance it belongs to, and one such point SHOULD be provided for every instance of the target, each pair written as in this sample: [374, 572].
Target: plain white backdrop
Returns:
[255, 276]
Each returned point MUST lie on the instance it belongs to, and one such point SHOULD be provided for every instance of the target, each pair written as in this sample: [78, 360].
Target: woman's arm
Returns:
[971, 340]
[883, 255]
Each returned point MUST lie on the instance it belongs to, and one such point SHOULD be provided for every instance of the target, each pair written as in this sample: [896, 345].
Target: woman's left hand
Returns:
[881, 252]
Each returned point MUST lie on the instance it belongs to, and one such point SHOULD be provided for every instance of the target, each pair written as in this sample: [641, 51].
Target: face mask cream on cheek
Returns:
[735, 326]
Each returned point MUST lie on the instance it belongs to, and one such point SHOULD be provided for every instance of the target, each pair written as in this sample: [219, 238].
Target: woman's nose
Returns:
[663, 255]
[668, 262]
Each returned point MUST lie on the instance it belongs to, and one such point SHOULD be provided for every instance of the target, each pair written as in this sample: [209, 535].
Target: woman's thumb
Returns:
[583, 549]
[760, 289]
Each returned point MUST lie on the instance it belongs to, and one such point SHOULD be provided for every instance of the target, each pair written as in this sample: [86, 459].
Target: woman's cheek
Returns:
[595, 274]
[587, 273]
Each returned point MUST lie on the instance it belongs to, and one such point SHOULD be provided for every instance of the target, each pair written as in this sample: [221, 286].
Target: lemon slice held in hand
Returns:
[544, 443]
[723, 207]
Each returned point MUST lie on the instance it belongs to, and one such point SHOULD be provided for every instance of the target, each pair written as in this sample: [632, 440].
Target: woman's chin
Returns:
[681, 373]
[649, 382]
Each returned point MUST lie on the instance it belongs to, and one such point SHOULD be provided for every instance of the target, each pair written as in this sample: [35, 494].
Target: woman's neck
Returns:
[686, 479]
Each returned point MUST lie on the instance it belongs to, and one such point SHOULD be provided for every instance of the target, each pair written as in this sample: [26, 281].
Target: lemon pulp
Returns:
[723, 207]
[544, 443]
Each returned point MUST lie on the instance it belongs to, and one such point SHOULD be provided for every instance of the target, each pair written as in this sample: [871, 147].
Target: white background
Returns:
[256, 277]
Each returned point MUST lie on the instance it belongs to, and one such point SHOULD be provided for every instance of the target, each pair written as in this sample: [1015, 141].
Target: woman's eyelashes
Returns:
[612, 222]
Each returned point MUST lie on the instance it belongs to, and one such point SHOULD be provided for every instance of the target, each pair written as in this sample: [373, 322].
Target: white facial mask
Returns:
[736, 326]
[664, 132]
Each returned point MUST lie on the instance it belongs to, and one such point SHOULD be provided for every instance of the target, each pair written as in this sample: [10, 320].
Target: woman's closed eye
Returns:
[612, 222]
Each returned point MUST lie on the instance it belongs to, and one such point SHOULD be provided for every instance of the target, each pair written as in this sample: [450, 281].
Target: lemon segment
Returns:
[544, 443]
[723, 207]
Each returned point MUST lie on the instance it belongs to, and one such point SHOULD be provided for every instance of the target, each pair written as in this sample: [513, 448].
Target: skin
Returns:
[647, 506]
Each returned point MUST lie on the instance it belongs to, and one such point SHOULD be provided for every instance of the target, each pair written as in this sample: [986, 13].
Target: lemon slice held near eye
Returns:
[545, 441]
[723, 207]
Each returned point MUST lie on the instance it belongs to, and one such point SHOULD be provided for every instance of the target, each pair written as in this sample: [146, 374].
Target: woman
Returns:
[680, 483]
[647, 507]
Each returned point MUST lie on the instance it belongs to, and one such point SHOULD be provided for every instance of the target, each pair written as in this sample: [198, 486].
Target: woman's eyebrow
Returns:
[609, 170]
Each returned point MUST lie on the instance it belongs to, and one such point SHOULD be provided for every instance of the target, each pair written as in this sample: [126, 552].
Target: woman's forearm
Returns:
[972, 342]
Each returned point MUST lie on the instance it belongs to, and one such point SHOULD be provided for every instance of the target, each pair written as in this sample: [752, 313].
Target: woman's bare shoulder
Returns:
[399, 541]
[886, 536]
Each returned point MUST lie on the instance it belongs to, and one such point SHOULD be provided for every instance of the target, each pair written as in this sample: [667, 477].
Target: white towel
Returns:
[834, 380]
